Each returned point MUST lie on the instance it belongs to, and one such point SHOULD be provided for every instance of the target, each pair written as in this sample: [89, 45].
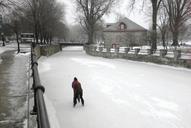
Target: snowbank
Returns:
[3, 49]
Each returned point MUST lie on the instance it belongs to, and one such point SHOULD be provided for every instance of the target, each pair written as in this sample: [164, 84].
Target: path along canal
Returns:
[14, 70]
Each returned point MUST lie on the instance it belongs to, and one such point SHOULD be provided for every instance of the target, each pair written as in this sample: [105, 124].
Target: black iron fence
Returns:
[39, 105]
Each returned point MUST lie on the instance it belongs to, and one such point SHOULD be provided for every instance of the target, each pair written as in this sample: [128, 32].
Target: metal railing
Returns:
[39, 105]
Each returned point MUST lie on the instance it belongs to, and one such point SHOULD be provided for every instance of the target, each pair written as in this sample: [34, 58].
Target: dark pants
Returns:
[78, 96]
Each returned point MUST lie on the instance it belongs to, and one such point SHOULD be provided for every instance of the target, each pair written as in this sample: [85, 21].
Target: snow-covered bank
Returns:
[13, 46]
[3, 49]
[117, 93]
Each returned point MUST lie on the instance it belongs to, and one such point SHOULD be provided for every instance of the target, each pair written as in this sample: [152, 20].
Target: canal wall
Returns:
[46, 50]
[180, 58]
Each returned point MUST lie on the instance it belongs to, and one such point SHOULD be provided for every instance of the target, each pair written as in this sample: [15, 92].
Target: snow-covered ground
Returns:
[13, 46]
[3, 49]
[118, 93]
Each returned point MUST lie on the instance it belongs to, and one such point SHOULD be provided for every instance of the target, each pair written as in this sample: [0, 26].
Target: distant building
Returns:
[124, 33]
[27, 37]
[1, 21]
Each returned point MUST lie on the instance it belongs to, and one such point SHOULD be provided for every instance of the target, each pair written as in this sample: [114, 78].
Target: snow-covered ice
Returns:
[118, 93]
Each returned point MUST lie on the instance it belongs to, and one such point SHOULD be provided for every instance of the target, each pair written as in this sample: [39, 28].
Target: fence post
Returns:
[163, 52]
[177, 54]
[150, 51]
[137, 50]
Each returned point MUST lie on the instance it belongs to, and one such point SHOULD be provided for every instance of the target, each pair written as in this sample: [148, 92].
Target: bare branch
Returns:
[92, 11]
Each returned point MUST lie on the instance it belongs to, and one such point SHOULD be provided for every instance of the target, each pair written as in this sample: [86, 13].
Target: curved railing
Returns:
[39, 105]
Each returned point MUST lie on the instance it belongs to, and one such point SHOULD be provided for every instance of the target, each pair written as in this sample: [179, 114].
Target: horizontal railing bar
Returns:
[39, 105]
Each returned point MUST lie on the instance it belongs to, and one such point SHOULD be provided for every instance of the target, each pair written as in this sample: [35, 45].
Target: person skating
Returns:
[78, 92]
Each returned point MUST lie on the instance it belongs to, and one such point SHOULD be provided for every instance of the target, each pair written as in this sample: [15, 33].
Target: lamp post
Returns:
[3, 38]
[1, 21]
[1, 30]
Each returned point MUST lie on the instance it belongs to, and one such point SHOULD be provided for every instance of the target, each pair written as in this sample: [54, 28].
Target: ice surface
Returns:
[118, 93]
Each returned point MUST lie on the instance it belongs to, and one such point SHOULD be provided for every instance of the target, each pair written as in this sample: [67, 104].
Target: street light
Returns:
[3, 38]
[2, 34]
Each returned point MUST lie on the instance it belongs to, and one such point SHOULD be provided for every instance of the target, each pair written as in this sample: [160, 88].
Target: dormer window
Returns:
[108, 25]
[122, 26]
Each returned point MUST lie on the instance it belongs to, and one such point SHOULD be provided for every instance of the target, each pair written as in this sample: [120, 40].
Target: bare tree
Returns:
[61, 32]
[163, 26]
[42, 17]
[155, 7]
[31, 12]
[6, 3]
[16, 26]
[92, 11]
[51, 14]
[45, 16]
[77, 33]
[179, 11]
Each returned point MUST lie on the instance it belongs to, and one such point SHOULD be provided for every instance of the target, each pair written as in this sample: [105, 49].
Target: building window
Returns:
[122, 26]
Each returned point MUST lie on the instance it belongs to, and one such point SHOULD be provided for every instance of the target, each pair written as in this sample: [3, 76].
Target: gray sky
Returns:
[137, 15]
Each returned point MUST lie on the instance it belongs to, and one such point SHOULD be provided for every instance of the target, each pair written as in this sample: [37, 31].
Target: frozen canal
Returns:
[118, 93]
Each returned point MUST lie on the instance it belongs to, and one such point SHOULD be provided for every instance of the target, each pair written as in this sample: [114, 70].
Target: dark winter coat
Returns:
[76, 87]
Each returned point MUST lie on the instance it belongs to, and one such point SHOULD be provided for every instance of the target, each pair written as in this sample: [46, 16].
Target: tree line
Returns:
[44, 18]
[167, 16]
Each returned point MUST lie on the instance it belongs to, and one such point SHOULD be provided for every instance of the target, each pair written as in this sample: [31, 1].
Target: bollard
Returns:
[100, 49]
[127, 50]
[149, 51]
[163, 52]
[116, 50]
[108, 53]
[177, 54]
[137, 50]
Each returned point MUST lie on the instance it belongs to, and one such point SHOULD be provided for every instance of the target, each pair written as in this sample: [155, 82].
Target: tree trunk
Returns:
[163, 42]
[91, 36]
[36, 34]
[41, 39]
[44, 39]
[163, 34]
[18, 44]
[3, 43]
[50, 39]
[154, 27]
[90, 32]
[3, 39]
[175, 38]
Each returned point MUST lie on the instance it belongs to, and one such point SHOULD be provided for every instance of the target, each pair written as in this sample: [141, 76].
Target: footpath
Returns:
[14, 87]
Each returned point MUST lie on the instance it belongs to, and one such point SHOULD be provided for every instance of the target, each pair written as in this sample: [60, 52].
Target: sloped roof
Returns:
[131, 26]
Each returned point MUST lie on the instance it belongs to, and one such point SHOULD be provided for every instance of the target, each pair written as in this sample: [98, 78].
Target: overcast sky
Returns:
[121, 8]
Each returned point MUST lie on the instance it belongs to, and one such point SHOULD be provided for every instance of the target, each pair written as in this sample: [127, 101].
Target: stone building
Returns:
[124, 33]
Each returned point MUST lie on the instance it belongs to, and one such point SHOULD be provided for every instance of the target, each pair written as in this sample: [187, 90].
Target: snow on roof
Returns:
[131, 26]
